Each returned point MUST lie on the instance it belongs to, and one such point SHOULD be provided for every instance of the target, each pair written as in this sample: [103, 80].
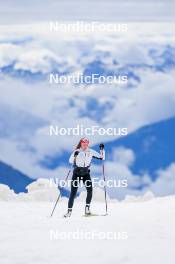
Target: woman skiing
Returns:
[81, 159]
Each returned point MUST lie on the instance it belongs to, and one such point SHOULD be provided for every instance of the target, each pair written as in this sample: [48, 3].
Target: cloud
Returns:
[165, 182]
[123, 156]
[27, 57]
[36, 60]
[9, 53]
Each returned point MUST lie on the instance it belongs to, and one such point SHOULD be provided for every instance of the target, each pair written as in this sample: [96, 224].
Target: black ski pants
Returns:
[76, 178]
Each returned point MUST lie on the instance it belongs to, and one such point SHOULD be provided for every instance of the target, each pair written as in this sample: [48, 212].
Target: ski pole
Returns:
[106, 205]
[104, 178]
[60, 194]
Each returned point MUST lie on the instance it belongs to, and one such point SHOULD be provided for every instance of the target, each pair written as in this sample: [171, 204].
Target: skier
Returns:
[81, 159]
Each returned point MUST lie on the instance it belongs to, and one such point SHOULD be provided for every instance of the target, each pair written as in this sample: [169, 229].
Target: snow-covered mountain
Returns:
[15, 179]
[149, 143]
[33, 65]
[153, 147]
[150, 146]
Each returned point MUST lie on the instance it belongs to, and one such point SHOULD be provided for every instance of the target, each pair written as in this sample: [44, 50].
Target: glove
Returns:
[76, 153]
[101, 146]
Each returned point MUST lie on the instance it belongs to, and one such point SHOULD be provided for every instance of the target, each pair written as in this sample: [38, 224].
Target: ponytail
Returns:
[78, 145]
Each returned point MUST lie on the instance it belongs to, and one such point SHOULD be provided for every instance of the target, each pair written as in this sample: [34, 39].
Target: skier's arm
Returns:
[100, 155]
[73, 156]
[71, 159]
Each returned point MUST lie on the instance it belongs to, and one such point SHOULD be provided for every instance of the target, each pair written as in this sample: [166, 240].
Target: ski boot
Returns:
[68, 214]
[87, 210]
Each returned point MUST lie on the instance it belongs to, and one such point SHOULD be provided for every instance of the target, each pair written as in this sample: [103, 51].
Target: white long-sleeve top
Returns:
[83, 159]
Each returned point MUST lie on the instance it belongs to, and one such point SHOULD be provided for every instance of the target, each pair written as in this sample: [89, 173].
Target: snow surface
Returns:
[40, 190]
[145, 233]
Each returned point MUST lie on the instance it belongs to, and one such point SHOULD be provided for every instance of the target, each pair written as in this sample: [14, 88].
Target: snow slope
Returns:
[145, 233]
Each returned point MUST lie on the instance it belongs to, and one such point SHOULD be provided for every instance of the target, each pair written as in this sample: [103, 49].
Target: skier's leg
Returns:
[74, 188]
[88, 184]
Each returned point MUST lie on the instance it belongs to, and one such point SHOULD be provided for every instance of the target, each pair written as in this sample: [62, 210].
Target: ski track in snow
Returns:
[25, 233]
